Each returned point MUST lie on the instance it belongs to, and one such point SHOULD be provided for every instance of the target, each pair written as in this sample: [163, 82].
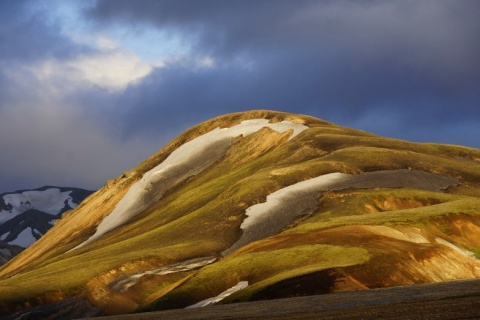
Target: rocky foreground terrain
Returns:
[450, 301]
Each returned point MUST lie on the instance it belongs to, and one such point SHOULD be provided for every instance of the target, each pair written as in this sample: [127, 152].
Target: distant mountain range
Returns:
[250, 206]
[26, 215]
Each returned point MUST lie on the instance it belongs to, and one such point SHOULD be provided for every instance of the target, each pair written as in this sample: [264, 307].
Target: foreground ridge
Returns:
[448, 301]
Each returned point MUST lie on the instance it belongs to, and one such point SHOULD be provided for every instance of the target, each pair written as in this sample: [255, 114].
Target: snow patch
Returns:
[71, 204]
[269, 218]
[188, 160]
[37, 233]
[462, 251]
[5, 235]
[124, 283]
[410, 234]
[24, 238]
[239, 286]
[282, 197]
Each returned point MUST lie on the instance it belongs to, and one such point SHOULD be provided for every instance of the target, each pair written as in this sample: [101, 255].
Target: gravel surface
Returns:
[450, 300]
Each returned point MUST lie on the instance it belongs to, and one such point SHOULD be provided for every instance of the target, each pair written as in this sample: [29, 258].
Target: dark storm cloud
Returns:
[174, 98]
[346, 61]
[25, 34]
[415, 33]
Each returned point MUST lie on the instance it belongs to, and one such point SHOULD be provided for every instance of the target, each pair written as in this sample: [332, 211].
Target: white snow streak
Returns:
[462, 251]
[24, 238]
[123, 284]
[72, 204]
[239, 286]
[38, 233]
[187, 160]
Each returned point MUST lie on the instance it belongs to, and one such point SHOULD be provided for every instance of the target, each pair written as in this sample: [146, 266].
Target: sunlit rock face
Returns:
[259, 205]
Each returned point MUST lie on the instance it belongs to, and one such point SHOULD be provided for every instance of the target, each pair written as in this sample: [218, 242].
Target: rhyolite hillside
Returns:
[260, 205]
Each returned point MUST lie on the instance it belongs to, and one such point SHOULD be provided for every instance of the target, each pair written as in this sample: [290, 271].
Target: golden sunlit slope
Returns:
[268, 205]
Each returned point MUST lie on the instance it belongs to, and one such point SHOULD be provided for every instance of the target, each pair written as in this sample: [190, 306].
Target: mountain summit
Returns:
[259, 205]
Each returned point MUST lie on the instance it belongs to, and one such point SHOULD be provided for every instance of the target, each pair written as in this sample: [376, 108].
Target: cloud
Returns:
[433, 40]
[340, 60]
[428, 31]
[112, 70]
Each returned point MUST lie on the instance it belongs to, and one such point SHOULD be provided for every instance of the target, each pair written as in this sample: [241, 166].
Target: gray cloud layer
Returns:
[406, 69]
[344, 60]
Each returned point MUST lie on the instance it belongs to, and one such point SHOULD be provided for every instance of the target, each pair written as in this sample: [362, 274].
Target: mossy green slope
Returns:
[356, 238]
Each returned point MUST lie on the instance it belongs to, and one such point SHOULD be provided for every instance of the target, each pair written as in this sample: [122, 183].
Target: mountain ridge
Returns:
[381, 229]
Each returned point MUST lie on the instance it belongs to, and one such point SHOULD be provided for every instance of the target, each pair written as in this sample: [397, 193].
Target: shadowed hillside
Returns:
[260, 205]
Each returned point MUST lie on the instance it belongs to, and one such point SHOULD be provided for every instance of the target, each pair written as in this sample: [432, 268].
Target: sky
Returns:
[90, 88]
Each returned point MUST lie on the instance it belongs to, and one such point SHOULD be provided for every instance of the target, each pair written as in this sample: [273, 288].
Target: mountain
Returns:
[26, 215]
[258, 205]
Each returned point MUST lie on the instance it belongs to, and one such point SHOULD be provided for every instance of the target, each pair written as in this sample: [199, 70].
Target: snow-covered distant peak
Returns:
[26, 215]
[50, 201]
[189, 159]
